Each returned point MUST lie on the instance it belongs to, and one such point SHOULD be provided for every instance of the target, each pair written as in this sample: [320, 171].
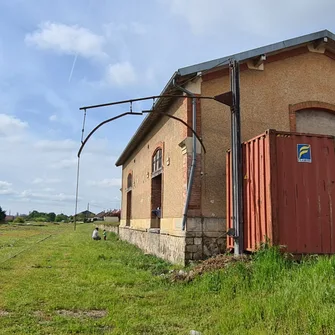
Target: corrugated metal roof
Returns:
[162, 104]
[293, 42]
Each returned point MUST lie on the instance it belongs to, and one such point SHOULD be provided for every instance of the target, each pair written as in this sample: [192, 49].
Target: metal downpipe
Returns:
[193, 164]
[194, 152]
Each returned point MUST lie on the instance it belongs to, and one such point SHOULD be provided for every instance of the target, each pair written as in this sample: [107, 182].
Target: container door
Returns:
[306, 193]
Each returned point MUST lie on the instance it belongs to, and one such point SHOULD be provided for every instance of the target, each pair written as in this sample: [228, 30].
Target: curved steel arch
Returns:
[101, 124]
[183, 122]
[135, 113]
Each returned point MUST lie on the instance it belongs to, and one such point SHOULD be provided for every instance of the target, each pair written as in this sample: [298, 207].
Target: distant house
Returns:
[99, 217]
[9, 218]
[85, 215]
[113, 216]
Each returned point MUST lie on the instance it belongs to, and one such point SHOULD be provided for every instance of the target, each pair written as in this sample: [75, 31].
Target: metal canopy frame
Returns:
[231, 99]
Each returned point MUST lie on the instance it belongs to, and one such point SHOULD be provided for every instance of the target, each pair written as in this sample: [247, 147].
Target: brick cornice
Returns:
[218, 73]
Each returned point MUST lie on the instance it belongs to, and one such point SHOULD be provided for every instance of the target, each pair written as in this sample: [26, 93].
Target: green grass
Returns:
[57, 281]
[107, 224]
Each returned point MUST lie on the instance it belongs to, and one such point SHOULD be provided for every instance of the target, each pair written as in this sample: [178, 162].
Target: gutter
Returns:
[194, 151]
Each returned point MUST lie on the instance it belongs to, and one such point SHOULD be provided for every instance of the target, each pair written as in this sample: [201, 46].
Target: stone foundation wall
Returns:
[168, 247]
[205, 237]
[113, 219]
[113, 229]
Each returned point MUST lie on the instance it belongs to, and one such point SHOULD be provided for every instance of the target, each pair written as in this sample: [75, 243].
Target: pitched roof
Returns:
[100, 215]
[272, 48]
[183, 74]
[114, 212]
[86, 212]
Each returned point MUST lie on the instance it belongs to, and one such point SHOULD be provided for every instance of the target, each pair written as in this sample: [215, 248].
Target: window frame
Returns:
[157, 162]
[129, 182]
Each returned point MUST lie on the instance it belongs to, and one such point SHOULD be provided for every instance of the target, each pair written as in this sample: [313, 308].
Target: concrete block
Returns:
[190, 234]
[206, 251]
[193, 248]
[213, 224]
[188, 256]
[213, 234]
[198, 255]
[194, 224]
[221, 241]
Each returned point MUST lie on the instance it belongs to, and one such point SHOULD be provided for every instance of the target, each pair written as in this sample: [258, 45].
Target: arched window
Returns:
[157, 161]
[129, 181]
[315, 117]
[315, 121]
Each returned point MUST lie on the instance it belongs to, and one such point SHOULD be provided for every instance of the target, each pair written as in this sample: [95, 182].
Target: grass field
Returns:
[57, 281]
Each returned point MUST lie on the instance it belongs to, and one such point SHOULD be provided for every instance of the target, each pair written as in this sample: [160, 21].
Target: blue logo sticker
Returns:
[304, 153]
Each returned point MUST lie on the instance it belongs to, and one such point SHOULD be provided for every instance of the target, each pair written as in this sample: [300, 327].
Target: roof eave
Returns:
[243, 56]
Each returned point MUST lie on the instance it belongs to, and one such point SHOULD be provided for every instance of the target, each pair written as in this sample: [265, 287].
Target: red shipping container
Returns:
[288, 192]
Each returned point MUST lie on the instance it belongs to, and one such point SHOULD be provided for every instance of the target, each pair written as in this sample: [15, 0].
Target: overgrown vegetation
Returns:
[57, 281]
[19, 219]
[46, 217]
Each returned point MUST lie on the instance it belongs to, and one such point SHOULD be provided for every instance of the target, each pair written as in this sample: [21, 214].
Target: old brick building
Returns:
[285, 86]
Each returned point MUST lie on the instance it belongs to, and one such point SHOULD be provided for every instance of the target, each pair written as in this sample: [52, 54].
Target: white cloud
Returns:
[105, 183]
[67, 39]
[5, 188]
[46, 181]
[6, 192]
[64, 163]
[63, 108]
[48, 189]
[60, 197]
[53, 118]
[200, 15]
[61, 145]
[120, 74]
[263, 18]
[10, 125]
[137, 28]
[4, 184]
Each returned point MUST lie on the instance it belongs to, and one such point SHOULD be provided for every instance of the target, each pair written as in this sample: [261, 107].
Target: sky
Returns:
[57, 56]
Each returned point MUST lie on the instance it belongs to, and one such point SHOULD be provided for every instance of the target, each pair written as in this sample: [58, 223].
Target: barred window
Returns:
[129, 180]
[157, 161]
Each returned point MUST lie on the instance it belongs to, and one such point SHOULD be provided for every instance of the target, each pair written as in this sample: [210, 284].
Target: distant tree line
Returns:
[47, 217]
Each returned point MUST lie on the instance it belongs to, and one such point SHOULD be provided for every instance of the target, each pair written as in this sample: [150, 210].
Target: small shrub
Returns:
[214, 281]
[269, 264]
[19, 219]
